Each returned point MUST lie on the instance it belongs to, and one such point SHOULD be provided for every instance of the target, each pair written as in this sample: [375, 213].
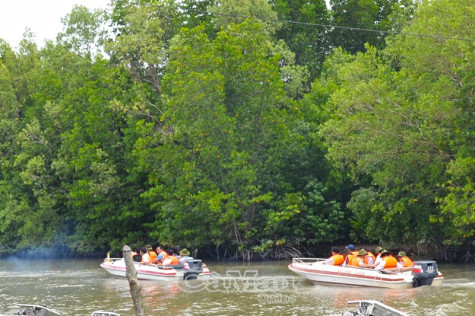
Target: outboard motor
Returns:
[424, 272]
[192, 268]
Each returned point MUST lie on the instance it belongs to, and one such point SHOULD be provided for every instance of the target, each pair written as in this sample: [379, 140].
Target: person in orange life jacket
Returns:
[369, 259]
[175, 255]
[350, 254]
[161, 255]
[360, 260]
[336, 259]
[387, 261]
[145, 256]
[171, 260]
[153, 254]
[174, 252]
[404, 262]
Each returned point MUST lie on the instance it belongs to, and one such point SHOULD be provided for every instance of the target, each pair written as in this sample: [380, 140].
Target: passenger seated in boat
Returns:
[404, 262]
[336, 259]
[184, 255]
[175, 252]
[350, 254]
[171, 260]
[360, 260]
[145, 256]
[152, 253]
[377, 252]
[161, 255]
[369, 259]
[387, 261]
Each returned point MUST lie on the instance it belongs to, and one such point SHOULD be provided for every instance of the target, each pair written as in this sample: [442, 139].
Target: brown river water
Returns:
[79, 287]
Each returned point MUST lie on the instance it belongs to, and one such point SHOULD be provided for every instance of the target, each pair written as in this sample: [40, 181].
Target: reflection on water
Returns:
[78, 287]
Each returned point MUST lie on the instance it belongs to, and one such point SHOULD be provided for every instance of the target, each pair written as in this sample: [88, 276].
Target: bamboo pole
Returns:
[135, 287]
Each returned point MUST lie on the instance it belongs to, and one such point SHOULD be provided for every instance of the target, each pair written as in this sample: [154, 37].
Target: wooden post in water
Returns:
[135, 287]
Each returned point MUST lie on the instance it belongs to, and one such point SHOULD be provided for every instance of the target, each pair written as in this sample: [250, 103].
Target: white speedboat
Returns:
[41, 310]
[313, 269]
[192, 269]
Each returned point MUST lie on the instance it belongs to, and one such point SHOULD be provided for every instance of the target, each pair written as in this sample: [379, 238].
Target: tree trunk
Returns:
[135, 287]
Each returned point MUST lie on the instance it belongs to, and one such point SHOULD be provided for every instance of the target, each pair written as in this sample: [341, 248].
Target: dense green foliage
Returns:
[218, 125]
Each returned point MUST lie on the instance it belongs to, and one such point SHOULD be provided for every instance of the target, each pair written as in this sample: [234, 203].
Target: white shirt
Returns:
[370, 260]
[380, 265]
[146, 258]
[378, 260]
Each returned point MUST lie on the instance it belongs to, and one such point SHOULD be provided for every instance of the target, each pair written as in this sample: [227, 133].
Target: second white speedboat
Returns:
[313, 269]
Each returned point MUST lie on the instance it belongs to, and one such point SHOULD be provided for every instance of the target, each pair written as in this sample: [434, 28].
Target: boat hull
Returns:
[317, 272]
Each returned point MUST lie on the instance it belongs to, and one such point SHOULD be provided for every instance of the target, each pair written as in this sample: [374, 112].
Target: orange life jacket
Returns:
[164, 254]
[338, 259]
[390, 262]
[349, 258]
[356, 261]
[368, 255]
[174, 260]
[407, 261]
[153, 255]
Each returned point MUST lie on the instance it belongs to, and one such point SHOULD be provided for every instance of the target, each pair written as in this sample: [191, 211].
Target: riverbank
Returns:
[417, 252]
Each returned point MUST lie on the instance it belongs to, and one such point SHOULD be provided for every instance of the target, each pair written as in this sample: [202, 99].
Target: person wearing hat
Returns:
[404, 261]
[336, 259]
[387, 261]
[359, 260]
[184, 255]
[377, 252]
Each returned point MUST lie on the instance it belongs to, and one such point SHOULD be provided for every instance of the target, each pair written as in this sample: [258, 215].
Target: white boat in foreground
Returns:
[41, 310]
[313, 269]
[36, 310]
[192, 269]
[373, 308]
